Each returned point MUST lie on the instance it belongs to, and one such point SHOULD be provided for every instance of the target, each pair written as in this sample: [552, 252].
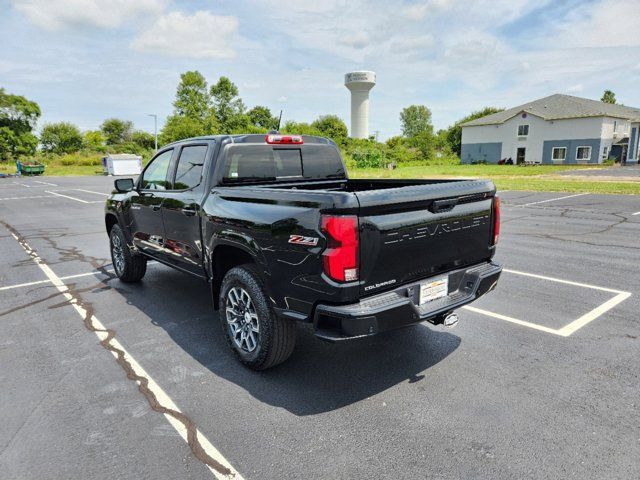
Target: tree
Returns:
[331, 126]
[178, 128]
[61, 137]
[441, 141]
[299, 128]
[417, 128]
[143, 139]
[192, 96]
[18, 117]
[94, 140]
[608, 97]
[454, 132]
[415, 120]
[117, 131]
[226, 103]
[261, 117]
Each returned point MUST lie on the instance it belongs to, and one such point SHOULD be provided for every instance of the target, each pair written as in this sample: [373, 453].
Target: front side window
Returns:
[155, 175]
[189, 171]
[559, 153]
[583, 153]
[523, 130]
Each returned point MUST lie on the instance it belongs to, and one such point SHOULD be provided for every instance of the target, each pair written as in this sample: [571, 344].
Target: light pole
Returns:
[155, 128]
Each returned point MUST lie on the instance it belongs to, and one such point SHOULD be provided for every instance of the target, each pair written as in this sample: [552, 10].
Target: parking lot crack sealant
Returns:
[131, 368]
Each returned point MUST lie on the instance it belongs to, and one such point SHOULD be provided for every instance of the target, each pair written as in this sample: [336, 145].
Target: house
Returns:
[557, 129]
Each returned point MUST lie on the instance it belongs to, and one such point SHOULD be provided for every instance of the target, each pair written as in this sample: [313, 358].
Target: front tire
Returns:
[259, 338]
[129, 267]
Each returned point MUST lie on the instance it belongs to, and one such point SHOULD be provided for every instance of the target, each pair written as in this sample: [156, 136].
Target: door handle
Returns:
[189, 212]
[439, 206]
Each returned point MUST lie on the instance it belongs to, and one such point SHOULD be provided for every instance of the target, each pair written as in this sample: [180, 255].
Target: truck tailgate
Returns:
[419, 231]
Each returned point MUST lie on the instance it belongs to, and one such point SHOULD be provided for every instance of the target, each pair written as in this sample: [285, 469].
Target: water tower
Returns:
[359, 83]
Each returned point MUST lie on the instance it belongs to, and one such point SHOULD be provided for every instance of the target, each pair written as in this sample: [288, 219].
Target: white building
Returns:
[556, 129]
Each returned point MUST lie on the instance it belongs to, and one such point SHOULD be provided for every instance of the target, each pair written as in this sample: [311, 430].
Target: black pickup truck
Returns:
[282, 235]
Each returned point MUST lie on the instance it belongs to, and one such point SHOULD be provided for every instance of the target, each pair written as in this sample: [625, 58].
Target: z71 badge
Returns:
[300, 240]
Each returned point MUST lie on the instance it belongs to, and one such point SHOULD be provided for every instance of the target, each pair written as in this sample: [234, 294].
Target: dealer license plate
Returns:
[434, 289]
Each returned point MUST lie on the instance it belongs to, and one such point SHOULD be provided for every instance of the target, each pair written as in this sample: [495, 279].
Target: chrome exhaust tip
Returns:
[451, 320]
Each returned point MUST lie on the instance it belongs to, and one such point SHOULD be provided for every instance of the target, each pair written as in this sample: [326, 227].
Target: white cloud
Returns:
[355, 40]
[282, 99]
[606, 23]
[60, 14]
[575, 88]
[485, 13]
[410, 44]
[200, 35]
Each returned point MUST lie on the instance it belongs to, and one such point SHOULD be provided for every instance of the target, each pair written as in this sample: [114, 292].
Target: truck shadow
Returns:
[318, 377]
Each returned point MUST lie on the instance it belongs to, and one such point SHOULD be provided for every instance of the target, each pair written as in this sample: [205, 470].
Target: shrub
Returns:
[371, 158]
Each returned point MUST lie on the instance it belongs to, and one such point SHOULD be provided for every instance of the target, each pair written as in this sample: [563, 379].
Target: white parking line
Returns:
[68, 277]
[91, 191]
[571, 327]
[39, 282]
[511, 319]
[551, 200]
[559, 280]
[72, 198]
[218, 465]
[637, 213]
[46, 183]
[23, 198]
[593, 314]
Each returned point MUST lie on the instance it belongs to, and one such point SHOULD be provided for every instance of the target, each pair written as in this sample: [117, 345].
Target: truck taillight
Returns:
[274, 139]
[341, 255]
[496, 220]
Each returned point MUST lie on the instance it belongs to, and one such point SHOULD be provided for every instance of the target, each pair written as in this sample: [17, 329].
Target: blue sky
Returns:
[87, 60]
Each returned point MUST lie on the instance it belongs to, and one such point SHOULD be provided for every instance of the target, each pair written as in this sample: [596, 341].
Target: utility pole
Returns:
[155, 128]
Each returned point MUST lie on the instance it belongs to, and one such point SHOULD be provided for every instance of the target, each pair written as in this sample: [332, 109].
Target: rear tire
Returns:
[259, 338]
[129, 267]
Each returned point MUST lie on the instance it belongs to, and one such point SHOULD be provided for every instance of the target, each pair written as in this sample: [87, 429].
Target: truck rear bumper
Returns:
[400, 307]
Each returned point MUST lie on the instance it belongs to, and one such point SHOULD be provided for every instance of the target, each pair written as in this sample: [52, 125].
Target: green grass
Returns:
[543, 178]
[487, 171]
[562, 185]
[506, 177]
[74, 164]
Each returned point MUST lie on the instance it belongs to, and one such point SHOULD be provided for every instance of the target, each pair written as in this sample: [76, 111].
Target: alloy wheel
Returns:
[242, 319]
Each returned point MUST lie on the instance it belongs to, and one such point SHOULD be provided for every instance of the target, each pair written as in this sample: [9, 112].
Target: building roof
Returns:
[559, 106]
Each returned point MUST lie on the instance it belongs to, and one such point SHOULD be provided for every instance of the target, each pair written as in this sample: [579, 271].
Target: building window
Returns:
[583, 153]
[615, 126]
[605, 152]
[523, 130]
[558, 154]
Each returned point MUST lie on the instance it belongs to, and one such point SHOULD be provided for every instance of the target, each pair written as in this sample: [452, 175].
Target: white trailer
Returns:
[122, 164]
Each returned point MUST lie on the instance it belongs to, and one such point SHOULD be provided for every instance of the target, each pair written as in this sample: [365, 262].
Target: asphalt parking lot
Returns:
[540, 379]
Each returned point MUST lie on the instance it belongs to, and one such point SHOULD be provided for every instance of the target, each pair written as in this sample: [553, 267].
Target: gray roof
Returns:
[558, 106]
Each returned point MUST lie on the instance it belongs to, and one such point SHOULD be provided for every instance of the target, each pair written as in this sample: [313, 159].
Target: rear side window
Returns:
[155, 175]
[321, 161]
[264, 163]
[189, 170]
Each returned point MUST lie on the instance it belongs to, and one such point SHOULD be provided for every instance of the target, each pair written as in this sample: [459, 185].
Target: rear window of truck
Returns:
[253, 163]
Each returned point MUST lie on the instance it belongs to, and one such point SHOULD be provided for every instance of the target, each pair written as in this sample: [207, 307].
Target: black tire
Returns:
[276, 337]
[130, 267]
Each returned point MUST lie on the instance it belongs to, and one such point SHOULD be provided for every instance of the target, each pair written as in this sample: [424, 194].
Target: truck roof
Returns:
[256, 138]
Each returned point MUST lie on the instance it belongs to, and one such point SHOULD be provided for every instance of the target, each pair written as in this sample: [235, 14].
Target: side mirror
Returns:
[124, 185]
